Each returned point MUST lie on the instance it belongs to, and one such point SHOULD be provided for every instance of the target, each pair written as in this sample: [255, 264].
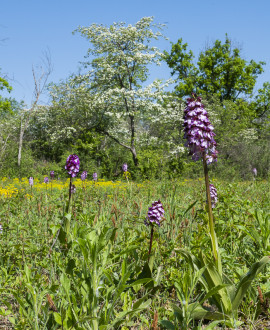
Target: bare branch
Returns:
[40, 81]
[116, 140]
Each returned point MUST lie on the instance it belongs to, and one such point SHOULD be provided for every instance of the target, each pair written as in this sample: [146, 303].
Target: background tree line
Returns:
[109, 113]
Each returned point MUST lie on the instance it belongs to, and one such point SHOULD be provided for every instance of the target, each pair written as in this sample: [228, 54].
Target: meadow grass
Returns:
[97, 274]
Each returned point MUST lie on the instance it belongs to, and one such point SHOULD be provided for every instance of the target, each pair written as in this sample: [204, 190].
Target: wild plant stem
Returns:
[67, 210]
[69, 195]
[151, 241]
[210, 213]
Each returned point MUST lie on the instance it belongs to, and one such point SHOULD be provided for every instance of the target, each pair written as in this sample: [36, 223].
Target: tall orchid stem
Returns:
[69, 194]
[210, 215]
[151, 241]
[63, 220]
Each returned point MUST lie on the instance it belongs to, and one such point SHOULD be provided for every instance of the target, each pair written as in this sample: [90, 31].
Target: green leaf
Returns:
[178, 312]
[124, 267]
[120, 288]
[70, 266]
[108, 276]
[122, 315]
[168, 325]
[193, 261]
[27, 273]
[252, 233]
[213, 291]
[212, 325]
[62, 236]
[68, 216]
[65, 283]
[212, 279]
[190, 207]
[55, 228]
[23, 306]
[141, 281]
[57, 318]
[139, 302]
[11, 320]
[83, 246]
[199, 313]
[158, 277]
[146, 272]
[245, 282]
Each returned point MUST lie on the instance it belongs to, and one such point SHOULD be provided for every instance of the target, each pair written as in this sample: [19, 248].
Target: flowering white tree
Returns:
[114, 84]
[8, 131]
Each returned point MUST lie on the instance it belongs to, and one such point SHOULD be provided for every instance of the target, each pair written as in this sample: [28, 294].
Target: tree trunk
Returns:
[132, 141]
[20, 144]
[134, 156]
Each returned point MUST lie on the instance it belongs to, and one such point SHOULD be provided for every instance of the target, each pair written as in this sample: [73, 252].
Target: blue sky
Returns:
[30, 27]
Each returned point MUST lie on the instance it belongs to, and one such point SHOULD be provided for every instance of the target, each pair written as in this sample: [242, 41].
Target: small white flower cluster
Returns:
[178, 150]
[249, 134]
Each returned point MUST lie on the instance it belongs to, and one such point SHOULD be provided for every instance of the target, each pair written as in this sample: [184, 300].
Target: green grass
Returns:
[97, 275]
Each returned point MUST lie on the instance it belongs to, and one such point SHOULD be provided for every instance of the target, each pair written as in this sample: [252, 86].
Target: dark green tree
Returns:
[220, 70]
[262, 101]
[5, 105]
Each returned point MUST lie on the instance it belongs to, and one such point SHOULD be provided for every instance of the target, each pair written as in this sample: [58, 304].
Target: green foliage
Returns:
[181, 62]
[97, 275]
[262, 101]
[241, 144]
[227, 296]
[260, 233]
[5, 103]
[220, 70]
[150, 164]
[108, 116]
